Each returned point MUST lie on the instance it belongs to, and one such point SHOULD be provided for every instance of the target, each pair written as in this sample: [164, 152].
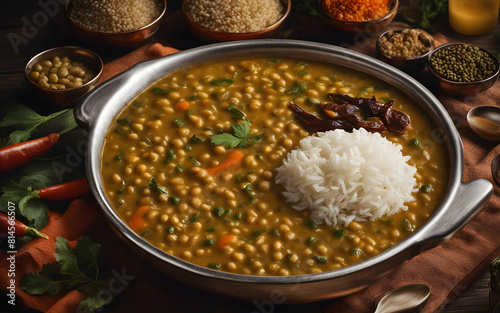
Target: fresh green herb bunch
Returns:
[463, 63]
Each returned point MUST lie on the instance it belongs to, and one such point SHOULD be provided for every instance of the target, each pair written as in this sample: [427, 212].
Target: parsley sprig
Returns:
[76, 269]
[240, 137]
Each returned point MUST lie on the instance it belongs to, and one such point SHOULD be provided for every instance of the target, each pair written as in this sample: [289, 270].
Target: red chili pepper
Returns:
[9, 226]
[21, 153]
[64, 191]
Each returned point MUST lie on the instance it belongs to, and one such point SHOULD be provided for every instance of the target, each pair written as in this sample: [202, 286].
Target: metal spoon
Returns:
[485, 122]
[495, 169]
[409, 298]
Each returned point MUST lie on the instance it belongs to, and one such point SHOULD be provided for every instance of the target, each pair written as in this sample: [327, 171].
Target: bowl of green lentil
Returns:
[218, 21]
[463, 69]
[406, 48]
[61, 75]
[118, 24]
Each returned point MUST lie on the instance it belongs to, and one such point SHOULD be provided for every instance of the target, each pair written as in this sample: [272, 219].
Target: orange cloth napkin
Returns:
[448, 269]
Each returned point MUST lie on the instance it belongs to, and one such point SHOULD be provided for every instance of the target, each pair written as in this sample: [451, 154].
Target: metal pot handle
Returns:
[471, 198]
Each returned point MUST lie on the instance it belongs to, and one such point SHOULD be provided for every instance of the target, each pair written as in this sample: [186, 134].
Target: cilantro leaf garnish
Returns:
[154, 185]
[236, 113]
[161, 91]
[240, 137]
[218, 82]
[77, 269]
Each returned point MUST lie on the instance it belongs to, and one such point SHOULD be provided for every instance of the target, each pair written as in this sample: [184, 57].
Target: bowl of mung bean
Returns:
[116, 23]
[359, 16]
[62, 75]
[220, 20]
[406, 49]
[462, 69]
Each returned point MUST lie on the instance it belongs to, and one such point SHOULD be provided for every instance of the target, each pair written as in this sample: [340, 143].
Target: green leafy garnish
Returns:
[211, 229]
[320, 259]
[426, 188]
[339, 233]
[250, 192]
[218, 82]
[311, 224]
[76, 269]
[215, 266]
[208, 243]
[170, 229]
[356, 252]
[259, 232]
[236, 113]
[179, 123]
[195, 139]
[161, 91]
[194, 218]
[123, 121]
[170, 156]
[240, 136]
[218, 211]
[415, 143]
[25, 122]
[154, 185]
[385, 100]
[311, 241]
[298, 89]
[175, 200]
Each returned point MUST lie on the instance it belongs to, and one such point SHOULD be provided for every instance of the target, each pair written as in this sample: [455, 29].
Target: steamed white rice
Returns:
[342, 177]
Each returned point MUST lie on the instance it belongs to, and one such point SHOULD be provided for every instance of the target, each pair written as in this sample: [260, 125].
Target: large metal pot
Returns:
[463, 201]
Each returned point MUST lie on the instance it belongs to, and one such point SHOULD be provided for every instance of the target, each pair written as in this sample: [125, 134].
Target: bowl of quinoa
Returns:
[359, 16]
[222, 20]
[406, 49]
[117, 23]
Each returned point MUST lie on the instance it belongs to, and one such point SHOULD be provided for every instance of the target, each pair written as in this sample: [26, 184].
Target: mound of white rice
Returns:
[341, 177]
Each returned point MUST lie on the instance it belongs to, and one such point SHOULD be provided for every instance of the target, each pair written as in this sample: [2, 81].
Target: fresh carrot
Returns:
[138, 220]
[225, 240]
[9, 226]
[182, 105]
[64, 191]
[21, 153]
[233, 160]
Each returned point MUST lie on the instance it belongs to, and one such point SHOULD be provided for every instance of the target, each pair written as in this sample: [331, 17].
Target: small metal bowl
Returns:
[66, 97]
[484, 120]
[126, 40]
[459, 88]
[371, 26]
[411, 64]
[219, 36]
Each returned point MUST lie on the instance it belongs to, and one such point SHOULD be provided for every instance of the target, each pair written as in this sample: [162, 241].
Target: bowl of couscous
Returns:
[219, 20]
[121, 24]
[356, 16]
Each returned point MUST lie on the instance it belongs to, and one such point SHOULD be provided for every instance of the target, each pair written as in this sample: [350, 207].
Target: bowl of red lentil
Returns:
[61, 75]
[406, 49]
[359, 16]
[218, 21]
[120, 24]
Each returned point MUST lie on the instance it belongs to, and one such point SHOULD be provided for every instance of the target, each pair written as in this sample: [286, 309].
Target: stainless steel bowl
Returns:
[462, 200]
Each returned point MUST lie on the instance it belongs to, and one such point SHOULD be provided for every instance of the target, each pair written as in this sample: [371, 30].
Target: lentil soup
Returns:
[220, 207]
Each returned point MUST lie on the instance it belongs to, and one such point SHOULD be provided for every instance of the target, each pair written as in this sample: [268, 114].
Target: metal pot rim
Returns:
[99, 119]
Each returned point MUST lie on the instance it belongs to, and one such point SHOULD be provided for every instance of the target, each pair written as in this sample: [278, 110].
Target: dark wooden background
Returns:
[19, 42]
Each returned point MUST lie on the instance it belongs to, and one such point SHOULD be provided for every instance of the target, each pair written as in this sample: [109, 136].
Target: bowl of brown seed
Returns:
[462, 69]
[222, 20]
[406, 48]
[124, 24]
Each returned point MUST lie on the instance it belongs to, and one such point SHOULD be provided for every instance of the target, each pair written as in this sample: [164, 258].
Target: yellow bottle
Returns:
[473, 17]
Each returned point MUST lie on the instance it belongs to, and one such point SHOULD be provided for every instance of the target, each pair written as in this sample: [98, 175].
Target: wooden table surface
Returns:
[19, 42]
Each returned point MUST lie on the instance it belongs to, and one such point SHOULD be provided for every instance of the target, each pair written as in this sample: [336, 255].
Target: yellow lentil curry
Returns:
[219, 207]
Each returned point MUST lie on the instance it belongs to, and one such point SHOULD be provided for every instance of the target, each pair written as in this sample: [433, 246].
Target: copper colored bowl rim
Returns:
[398, 30]
[478, 82]
[96, 32]
[259, 32]
[392, 11]
[95, 56]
